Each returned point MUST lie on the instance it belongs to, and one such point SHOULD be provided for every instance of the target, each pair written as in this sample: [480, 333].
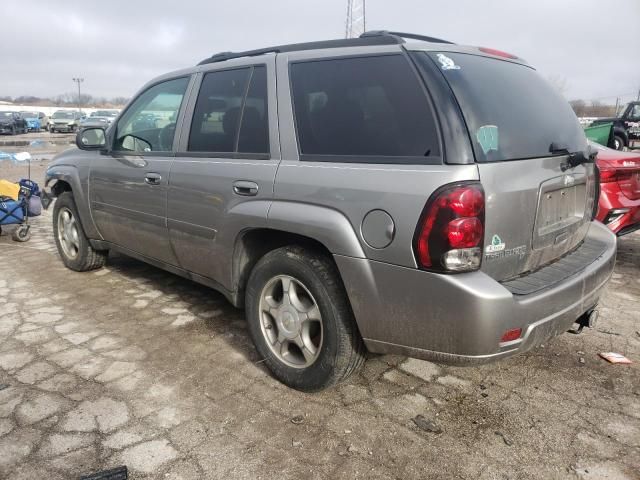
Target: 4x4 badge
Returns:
[497, 245]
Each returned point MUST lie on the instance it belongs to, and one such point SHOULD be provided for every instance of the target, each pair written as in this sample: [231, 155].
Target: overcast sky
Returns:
[119, 45]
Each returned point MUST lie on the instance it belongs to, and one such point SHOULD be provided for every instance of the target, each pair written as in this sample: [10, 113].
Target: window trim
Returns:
[235, 155]
[181, 110]
[373, 159]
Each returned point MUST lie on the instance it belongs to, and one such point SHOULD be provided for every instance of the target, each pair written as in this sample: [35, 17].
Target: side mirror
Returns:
[91, 139]
[135, 144]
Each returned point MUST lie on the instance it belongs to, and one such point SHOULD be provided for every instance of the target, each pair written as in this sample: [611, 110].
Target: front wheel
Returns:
[618, 142]
[301, 321]
[73, 246]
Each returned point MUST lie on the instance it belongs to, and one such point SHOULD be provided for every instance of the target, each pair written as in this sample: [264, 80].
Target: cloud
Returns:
[119, 45]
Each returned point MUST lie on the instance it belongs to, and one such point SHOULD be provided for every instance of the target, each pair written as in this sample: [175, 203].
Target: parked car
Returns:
[619, 203]
[145, 121]
[44, 120]
[99, 118]
[626, 127]
[33, 121]
[383, 197]
[64, 121]
[94, 121]
[12, 123]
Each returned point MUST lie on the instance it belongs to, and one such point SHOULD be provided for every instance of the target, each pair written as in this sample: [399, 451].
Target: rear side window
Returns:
[231, 113]
[511, 112]
[361, 108]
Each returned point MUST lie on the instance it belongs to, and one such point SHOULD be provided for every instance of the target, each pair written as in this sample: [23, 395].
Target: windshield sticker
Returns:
[497, 245]
[447, 63]
[487, 136]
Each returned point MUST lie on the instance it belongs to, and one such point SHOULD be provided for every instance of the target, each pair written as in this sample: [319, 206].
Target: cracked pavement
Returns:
[131, 365]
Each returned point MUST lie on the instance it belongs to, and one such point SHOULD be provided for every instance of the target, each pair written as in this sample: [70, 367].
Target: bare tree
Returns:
[579, 107]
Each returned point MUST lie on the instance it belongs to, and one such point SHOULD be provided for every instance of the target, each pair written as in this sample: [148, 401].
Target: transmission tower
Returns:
[356, 19]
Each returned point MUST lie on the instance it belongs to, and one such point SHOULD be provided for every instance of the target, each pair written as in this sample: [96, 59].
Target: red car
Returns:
[619, 204]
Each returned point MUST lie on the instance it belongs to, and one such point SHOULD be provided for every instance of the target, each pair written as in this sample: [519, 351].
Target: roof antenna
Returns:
[356, 23]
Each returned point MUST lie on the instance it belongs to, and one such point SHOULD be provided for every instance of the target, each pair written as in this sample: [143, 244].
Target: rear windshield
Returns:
[511, 111]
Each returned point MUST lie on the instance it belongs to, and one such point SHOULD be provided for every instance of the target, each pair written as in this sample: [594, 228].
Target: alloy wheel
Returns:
[68, 233]
[290, 321]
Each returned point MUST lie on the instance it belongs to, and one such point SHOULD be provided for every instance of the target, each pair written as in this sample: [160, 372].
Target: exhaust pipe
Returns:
[587, 319]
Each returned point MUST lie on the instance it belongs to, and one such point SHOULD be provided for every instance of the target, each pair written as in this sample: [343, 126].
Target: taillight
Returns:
[607, 174]
[451, 230]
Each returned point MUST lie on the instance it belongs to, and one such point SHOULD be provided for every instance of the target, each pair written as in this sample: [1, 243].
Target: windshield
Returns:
[511, 112]
[100, 113]
[29, 114]
[63, 115]
[5, 114]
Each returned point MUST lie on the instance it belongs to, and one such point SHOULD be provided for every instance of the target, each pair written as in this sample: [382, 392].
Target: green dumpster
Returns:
[601, 133]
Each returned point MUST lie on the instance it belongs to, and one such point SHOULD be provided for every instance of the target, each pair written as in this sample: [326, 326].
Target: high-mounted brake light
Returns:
[497, 53]
[451, 229]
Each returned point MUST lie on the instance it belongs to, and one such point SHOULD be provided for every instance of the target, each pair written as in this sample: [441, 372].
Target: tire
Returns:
[74, 249]
[618, 142]
[21, 234]
[339, 349]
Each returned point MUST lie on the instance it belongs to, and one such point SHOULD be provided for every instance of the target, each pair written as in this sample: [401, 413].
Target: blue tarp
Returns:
[16, 158]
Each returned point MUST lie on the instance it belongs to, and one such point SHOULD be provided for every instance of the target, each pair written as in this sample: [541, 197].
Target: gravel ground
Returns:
[133, 366]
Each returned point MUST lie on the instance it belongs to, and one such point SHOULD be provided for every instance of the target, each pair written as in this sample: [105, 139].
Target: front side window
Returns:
[231, 112]
[362, 107]
[149, 124]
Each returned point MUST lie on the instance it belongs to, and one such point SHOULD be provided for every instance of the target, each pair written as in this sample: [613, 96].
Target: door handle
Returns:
[245, 188]
[152, 178]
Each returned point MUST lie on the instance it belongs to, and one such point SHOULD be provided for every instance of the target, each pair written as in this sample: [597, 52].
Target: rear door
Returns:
[224, 170]
[537, 208]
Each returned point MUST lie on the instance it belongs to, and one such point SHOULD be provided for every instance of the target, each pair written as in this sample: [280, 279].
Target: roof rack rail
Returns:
[367, 40]
[401, 35]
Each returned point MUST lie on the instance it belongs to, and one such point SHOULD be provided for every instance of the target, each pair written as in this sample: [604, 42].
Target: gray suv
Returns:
[373, 194]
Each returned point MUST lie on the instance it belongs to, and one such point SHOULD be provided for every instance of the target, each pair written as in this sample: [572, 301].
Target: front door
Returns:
[128, 185]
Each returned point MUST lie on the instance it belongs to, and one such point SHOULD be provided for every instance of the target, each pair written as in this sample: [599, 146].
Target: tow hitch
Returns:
[587, 319]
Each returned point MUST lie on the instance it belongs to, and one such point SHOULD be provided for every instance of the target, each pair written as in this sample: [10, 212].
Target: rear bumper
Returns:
[459, 319]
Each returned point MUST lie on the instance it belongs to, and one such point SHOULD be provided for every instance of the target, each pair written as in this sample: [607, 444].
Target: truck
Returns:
[626, 127]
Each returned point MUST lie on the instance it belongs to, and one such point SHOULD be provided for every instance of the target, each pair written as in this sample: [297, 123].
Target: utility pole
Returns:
[356, 23]
[79, 81]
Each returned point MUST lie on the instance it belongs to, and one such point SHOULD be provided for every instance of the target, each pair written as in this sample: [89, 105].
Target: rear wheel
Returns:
[300, 319]
[618, 142]
[73, 246]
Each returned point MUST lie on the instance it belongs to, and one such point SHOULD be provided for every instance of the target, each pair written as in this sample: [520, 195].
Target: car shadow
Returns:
[210, 307]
